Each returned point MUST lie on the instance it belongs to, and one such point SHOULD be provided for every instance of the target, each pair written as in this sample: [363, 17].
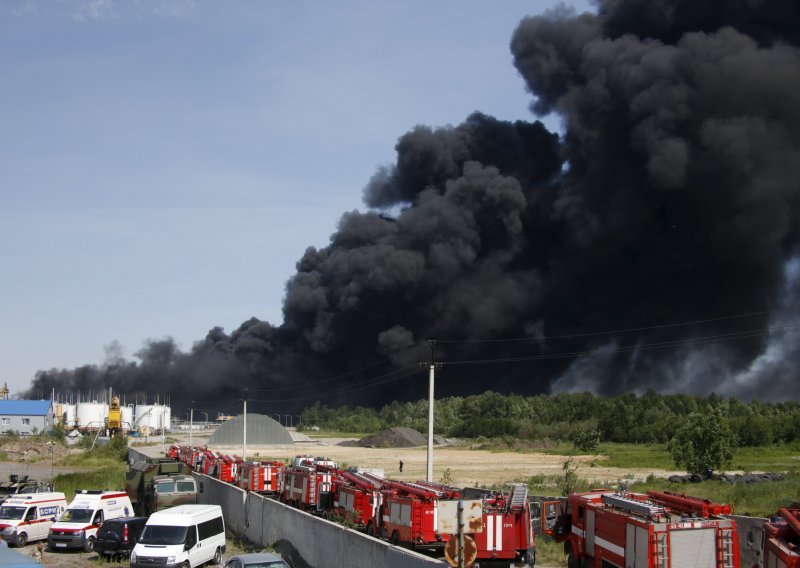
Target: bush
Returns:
[586, 440]
[704, 441]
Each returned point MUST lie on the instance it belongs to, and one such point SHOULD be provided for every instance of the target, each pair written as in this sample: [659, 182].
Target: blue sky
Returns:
[163, 165]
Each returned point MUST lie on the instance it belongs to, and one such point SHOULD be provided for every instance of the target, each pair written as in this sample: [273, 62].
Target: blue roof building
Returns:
[26, 416]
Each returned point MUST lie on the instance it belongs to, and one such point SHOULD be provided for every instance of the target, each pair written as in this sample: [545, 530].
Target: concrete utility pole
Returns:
[431, 374]
[191, 427]
[244, 428]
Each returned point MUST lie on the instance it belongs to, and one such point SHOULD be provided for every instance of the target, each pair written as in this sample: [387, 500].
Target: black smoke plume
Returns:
[652, 245]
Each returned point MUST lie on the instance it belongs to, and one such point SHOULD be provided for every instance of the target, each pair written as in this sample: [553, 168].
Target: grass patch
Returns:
[656, 456]
[314, 434]
[755, 499]
[550, 552]
[102, 478]
[653, 456]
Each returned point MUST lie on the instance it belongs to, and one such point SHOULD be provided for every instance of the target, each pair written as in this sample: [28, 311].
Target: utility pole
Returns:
[191, 427]
[244, 428]
[431, 372]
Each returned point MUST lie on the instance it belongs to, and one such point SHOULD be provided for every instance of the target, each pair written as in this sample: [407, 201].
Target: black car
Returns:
[117, 537]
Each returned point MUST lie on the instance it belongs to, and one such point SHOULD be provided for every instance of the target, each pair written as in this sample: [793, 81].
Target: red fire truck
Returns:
[357, 497]
[224, 468]
[782, 539]
[307, 483]
[604, 528]
[407, 513]
[261, 477]
[506, 534]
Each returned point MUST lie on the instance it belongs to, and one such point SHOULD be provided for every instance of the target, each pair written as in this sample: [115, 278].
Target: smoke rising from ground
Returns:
[671, 197]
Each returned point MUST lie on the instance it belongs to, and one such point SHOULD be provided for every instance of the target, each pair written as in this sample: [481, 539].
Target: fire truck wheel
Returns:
[371, 530]
[395, 540]
[22, 539]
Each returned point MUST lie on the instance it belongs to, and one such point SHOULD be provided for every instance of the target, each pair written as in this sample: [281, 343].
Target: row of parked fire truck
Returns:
[599, 528]
[401, 512]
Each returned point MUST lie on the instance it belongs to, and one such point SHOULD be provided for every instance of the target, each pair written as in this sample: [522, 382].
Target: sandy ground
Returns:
[467, 467]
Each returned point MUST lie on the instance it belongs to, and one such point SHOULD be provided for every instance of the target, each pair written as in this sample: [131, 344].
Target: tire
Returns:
[88, 546]
[371, 530]
[22, 539]
[217, 557]
[395, 540]
[186, 565]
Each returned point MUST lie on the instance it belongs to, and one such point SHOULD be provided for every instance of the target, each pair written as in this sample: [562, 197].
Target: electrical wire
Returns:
[733, 336]
[609, 332]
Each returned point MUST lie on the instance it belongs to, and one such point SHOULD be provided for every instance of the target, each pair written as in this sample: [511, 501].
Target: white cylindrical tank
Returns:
[68, 412]
[167, 418]
[143, 416]
[127, 416]
[91, 415]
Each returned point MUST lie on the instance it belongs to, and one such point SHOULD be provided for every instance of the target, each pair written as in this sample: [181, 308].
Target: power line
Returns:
[336, 378]
[609, 332]
[734, 336]
[363, 385]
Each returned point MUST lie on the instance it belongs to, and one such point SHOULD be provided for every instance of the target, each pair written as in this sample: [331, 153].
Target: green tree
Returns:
[586, 440]
[705, 440]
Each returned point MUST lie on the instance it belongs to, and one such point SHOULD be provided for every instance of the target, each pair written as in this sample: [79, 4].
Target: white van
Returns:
[77, 526]
[28, 517]
[183, 536]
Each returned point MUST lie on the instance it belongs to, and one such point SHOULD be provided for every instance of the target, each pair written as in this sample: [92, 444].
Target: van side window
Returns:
[98, 518]
[210, 528]
[30, 514]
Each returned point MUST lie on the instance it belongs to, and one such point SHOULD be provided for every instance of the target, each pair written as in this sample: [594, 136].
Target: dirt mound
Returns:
[394, 438]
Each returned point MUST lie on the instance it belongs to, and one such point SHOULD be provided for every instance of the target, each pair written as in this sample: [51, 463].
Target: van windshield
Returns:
[12, 512]
[165, 487]
[76, 516]
[159, 534]
[186, 486]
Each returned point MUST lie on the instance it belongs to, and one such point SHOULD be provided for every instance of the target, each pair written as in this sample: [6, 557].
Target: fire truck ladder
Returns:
[646, 510]
[423, 487]
[519, 495]
[725, 554]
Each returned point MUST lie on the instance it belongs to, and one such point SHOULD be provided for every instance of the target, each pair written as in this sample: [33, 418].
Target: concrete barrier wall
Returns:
[749, 530]
[321, 543]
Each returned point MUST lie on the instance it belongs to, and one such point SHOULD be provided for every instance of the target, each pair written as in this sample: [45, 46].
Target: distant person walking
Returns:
[401, 466]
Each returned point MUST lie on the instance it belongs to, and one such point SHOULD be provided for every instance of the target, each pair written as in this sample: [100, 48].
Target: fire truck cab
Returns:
[604, 528]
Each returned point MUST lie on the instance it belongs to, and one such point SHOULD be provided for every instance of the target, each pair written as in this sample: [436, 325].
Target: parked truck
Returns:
[781, 541]
[607, 528]
[20, 484]
[157, 484]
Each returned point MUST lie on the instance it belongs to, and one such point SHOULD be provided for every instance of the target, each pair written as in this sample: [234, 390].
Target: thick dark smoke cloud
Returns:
[671, 197]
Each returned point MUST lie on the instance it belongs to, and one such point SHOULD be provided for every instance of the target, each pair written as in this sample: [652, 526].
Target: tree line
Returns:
[630, 418]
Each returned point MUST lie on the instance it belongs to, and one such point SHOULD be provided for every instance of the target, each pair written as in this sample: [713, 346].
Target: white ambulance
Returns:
[28, 517]
[77, 526]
